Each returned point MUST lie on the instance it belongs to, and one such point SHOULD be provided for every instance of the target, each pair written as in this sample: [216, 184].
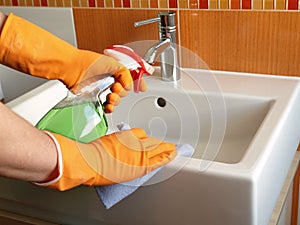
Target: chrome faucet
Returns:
[166, 47]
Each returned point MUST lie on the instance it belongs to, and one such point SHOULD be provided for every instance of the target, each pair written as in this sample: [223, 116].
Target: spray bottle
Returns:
[81, 116]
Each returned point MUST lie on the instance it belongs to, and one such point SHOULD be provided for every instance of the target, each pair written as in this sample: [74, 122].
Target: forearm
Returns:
[25, 152]
[2, 20]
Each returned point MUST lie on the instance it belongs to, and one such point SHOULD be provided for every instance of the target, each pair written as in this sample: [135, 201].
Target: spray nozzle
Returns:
[135, 63]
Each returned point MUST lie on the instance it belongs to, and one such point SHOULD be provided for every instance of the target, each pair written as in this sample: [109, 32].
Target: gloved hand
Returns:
[33, 50]
[114, 158]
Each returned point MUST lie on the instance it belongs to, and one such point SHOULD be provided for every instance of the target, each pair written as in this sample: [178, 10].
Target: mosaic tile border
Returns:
[165, 4]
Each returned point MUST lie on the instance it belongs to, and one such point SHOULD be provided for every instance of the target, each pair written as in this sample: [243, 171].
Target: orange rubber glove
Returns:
[114, 158]
[33, 50]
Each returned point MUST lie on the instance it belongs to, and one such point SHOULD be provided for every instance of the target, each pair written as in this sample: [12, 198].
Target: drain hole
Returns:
[161, 102]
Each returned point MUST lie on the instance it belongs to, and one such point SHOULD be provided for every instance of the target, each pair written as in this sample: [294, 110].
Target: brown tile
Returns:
[52, 3]
[268, 4]
[7, 2]
[75, 3]
[83, 3]
[29, 3]
[163, 4]
[135, 4]
[144, 4]
[183, 4]
[22, 3]
[224, 4]
[280, 4]
[213, 4]
[67, 3]
[108, 3]
[59, 3]
[257, 4]
[193, 4]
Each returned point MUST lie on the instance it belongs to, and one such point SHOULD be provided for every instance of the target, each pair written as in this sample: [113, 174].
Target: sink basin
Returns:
[245, 131]
[220, 126]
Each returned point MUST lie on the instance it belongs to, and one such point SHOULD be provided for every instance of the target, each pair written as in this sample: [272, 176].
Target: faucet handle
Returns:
[165, 20]
[145, 22]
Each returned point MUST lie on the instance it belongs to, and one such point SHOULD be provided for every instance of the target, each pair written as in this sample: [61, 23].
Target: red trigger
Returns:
[136, 77]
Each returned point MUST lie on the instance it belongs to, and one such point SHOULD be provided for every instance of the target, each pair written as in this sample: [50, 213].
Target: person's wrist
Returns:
[56, 173]
[2, 20]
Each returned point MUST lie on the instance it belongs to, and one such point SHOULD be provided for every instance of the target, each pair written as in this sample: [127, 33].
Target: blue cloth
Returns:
[112, 194]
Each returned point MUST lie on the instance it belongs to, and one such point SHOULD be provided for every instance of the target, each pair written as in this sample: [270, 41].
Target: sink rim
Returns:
[269, 88]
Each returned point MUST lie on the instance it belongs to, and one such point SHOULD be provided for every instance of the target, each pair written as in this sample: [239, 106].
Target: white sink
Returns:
[244, 128]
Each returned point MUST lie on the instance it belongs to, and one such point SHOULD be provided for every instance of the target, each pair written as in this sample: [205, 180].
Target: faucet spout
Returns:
[165, 47]
[156, 50]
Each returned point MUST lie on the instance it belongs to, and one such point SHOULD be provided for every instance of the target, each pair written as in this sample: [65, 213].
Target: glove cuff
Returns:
[73, 168]
[59, 164]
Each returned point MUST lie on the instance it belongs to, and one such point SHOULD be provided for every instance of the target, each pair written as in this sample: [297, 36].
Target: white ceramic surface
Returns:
[245, 129]
[35, 104]
[245, 166]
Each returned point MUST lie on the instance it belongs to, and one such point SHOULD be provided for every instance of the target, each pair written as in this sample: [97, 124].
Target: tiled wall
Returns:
[266, 42]
[166, 4]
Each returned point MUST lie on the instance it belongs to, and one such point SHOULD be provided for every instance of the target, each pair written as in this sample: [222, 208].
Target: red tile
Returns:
[246, 4]
[15, 2]
[292, 4]
[92, 3]
[172, 3]
[235, 4]
[126, 3]
[44, 3]
[203, 4]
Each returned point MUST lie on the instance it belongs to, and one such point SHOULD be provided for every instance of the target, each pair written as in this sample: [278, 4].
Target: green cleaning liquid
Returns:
[83, 122]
